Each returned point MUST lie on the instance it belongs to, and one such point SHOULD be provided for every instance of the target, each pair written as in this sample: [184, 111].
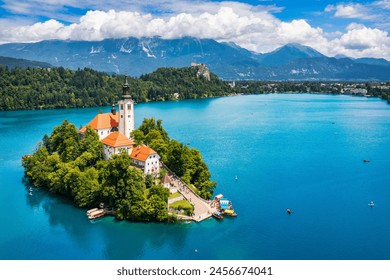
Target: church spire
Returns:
[126, 89]
[126, 111]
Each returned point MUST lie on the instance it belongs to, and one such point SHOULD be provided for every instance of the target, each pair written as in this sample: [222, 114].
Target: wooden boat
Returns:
[92, 210]
[96, 214]
[230, 213]
[217, 214]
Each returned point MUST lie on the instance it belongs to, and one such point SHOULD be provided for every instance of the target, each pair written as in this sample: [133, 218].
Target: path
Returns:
[202, 209]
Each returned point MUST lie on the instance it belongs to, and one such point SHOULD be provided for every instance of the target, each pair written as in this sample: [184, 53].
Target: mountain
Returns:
[11, 62]
[288, 53]
[373, 61]
[137, 56]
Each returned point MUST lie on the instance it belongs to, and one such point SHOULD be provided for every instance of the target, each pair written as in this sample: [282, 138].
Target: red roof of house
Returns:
[141, 153]
[102, 121]
[166, 179]
[117, 139]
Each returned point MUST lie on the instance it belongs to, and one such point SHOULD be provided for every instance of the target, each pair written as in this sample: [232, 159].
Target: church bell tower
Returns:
[126, 111]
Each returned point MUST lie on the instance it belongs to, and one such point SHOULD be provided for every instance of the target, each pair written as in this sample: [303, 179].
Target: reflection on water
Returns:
[120, 239]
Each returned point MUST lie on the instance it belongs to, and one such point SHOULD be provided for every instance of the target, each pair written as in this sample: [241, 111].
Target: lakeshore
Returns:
[303, 152]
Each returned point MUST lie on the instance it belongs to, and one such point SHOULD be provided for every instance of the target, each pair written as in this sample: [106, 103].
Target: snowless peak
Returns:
[298, 48]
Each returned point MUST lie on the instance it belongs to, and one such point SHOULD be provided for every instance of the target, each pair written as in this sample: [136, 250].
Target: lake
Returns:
[298, 151]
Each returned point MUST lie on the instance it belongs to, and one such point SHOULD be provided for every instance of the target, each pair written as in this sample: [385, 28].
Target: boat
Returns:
[366, 160]
[217, 214]
[288, 210]
[371, 204]
[96, 214]
[225, 204]
[92, 210]
[236, 177]
[230, 212]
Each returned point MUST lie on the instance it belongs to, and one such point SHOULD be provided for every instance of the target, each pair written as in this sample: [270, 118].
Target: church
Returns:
[114, 130]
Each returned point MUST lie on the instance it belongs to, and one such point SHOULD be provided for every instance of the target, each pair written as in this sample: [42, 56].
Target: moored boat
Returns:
[217, 214]
[230, 212]
[92, 210]
[96, 214]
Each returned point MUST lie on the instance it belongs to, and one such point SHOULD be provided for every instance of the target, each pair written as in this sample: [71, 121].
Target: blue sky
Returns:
[352, 28]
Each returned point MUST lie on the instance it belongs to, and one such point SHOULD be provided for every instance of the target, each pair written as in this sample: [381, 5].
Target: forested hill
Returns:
[11, 62]
[44, 88]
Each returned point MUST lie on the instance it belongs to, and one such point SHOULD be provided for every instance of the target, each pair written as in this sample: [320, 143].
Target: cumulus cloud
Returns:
[374, 11]
[251, 27]
[362, 42]
[255, 29]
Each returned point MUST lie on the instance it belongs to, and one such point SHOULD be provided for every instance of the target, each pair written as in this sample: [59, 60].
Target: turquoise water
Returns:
[303, 152]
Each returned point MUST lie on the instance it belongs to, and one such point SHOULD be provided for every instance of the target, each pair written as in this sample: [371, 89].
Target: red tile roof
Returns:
[166, 179]
[117, 139]
[102, 121]
[141, 153]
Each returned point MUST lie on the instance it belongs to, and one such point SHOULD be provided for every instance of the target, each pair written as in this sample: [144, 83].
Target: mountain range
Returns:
[137, 56]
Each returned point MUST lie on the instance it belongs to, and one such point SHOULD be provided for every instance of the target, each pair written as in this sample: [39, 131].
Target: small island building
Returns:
[166, 181]
[104, 124]
[114, 131]
[116, 143]
[146, 159]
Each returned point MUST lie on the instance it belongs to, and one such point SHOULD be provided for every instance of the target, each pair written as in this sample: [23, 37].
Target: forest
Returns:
[49, 88]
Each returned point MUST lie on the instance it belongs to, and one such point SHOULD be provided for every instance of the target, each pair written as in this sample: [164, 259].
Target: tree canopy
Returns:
[186, 162]
[46, 88]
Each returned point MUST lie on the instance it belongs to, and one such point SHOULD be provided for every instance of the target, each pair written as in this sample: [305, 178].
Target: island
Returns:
[110, 167]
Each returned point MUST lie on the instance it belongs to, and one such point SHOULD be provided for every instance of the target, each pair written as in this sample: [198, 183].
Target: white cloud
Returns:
[363, 42]
[354, 25]
[251, 27]
[350, 11]
[377, 11]
[384, 4]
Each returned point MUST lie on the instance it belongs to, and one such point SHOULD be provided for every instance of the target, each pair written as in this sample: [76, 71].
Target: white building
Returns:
[114, 130]
[147, 159]
[126, 112]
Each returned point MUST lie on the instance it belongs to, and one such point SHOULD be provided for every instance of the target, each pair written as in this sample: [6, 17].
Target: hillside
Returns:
[36, 88]
[22, 63]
